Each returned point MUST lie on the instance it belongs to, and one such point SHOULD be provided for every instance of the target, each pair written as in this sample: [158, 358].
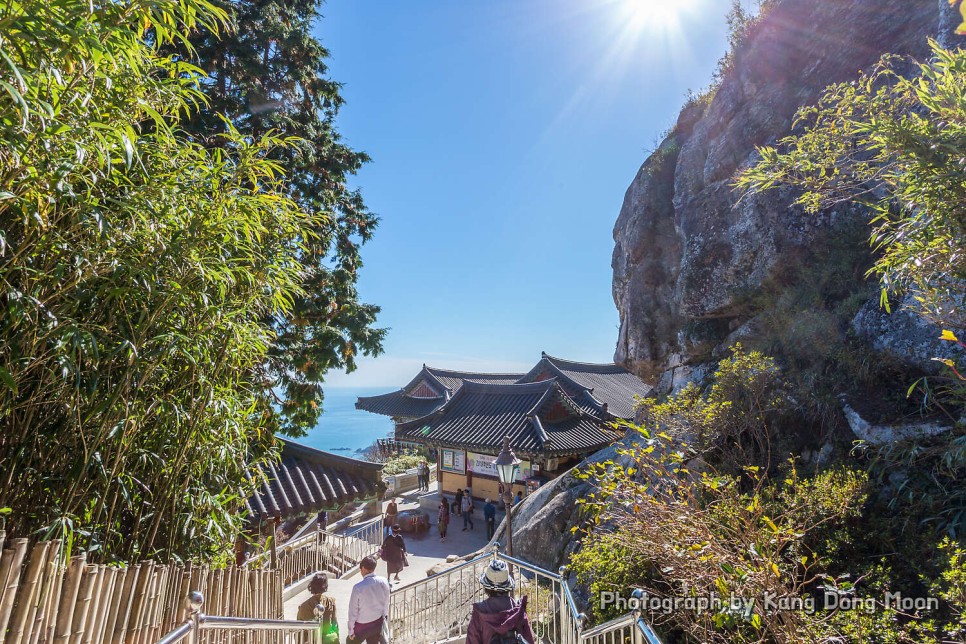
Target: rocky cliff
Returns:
[694, 269]
[689, 256]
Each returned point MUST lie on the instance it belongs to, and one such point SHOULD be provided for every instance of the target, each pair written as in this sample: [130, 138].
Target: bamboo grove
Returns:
[140, 275]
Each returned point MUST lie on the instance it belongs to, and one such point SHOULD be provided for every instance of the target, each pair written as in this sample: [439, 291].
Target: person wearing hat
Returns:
[394, 553]
[489, 513]
[499, 617]
[318, 586]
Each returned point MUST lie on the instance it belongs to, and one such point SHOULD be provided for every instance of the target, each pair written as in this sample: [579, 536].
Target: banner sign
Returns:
[453, 461]
[483, 464]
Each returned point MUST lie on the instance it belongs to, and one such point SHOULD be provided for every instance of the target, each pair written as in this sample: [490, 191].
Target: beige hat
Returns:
[497, 576]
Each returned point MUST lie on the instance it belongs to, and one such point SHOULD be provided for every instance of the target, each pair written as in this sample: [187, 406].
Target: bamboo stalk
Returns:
[95, 617]
[110, 621]
[53, 606]
[124, 608]
[68, 598]
[10, 564]
[140, 588]
[26, 605]
[39, 620]
[107, 605]
[82, 607]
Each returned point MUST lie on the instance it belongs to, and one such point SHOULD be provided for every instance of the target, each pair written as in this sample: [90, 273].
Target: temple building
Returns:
[555, 415]
[306, 481]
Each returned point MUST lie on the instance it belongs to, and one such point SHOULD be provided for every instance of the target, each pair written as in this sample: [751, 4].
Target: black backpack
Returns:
[510, 637]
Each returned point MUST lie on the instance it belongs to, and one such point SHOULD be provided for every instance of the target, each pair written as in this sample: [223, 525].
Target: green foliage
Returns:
[662, 518]
[137, 272]
[268, 75]
[696, 533]
[401, 462]
[930, 482]
[731, 423]
[895, 144]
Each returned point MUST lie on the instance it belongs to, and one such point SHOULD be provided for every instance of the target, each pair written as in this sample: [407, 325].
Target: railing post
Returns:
[195, 602]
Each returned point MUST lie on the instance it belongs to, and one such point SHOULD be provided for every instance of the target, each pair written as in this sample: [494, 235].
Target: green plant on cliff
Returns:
[137, 272]
[679, 515]
[895, 143]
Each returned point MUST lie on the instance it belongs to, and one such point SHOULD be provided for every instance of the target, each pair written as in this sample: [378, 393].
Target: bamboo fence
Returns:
[44, 599]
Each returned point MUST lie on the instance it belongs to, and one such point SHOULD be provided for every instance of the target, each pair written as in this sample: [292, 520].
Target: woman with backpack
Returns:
[499, 619]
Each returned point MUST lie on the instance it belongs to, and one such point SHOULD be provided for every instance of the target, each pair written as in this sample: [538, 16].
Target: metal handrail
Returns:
[562, 623]
[198, 622]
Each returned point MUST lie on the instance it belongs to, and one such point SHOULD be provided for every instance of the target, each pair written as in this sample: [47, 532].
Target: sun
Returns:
[645, 14]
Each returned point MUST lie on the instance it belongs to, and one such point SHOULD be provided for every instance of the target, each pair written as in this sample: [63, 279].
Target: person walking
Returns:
[442, 519]
[368, 606]
[392, 513]
[318, 586]
[458, 503]
[394, 553]
[499, 618]
[467, 510]
[489, 513]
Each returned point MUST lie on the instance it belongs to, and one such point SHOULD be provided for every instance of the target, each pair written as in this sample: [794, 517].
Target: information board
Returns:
[453, 460]
[483, 464]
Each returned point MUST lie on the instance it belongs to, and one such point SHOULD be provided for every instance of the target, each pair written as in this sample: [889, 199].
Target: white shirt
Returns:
[369, 601]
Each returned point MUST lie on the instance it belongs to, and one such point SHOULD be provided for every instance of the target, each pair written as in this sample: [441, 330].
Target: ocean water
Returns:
[343, 429]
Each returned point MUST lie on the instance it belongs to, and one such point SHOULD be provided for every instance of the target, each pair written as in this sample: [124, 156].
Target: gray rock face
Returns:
[686, 252]
[905, 336]
[542, 523]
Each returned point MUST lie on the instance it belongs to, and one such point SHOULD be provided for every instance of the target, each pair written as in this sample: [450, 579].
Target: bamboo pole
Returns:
[137, 603]
[10, 564]
[95, 617]
[40, 618]
[124, 609]
[68, 598]
[81, 609]
[53, 606]
[26, 604]
[117, 586]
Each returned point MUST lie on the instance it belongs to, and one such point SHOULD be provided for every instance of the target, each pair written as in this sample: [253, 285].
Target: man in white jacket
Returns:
[368, 606]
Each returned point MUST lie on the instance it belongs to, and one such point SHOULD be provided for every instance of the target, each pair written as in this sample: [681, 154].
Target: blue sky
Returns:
[503, 135]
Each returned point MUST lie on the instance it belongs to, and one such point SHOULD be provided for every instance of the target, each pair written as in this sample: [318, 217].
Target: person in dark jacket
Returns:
[499, 616]
[458, 503]
[394, 553]
[489, 513]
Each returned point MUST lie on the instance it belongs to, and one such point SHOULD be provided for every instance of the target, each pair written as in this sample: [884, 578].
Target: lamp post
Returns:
[507, 465]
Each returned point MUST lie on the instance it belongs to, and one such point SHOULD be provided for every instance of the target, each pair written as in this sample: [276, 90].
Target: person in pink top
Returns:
[499, 619]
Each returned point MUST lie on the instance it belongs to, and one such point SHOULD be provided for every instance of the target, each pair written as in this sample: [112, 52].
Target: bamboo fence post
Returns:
[95, 616]
[107, 604]
[40, 618]
[26, 604]
[137, 603]
[117, 586]
[68, 598]
[53, 607]
[124, 609]
[84, 594]
[10, 564]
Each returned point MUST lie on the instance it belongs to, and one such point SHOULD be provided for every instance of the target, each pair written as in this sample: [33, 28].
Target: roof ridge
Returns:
[515, 388]
[554, 360]
[473, 373]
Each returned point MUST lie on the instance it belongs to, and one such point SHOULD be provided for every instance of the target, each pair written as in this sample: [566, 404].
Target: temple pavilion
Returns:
[555, 414]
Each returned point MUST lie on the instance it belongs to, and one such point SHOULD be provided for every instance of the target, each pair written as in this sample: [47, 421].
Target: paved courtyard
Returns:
[424, 553]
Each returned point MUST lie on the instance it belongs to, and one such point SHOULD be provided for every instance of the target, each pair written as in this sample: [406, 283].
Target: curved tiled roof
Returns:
[607, 383]
[307, 480]
[479, 415]
[399, 404]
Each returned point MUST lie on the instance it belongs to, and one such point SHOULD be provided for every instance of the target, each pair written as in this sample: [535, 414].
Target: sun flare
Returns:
[643, 14]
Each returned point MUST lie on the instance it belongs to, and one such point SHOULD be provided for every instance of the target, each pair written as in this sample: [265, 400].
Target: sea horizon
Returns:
[343, 429]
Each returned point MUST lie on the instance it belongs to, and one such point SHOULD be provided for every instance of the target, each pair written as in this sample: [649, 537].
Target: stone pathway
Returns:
[424, 553]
